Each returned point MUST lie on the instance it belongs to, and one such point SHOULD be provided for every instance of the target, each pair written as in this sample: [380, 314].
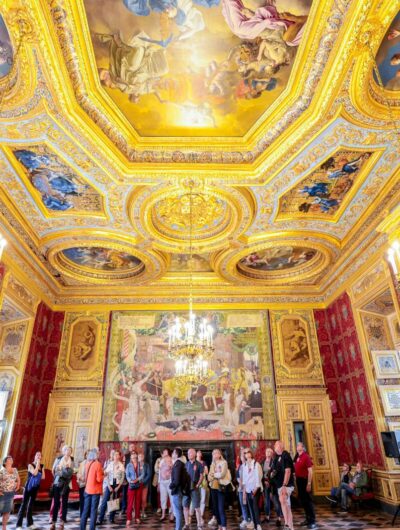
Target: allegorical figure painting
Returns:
[145, 400]
[388, 57]
[296, 352]
[60, 188]
[83, 345]
[101, 258]
[6, 50]
[181, 263]
[277, 258]
[211, 65]
[325, 189]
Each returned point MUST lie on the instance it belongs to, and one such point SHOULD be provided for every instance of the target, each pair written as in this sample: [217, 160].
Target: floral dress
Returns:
[8, 485]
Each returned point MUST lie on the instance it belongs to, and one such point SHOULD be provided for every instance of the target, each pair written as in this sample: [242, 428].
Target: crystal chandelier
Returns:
[191, 340]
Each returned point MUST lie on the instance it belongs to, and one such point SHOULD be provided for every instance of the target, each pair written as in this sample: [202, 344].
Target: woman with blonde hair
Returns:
[219, 479]
[62, 471]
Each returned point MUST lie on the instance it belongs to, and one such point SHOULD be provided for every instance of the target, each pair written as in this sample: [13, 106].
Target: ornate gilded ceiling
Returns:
[272, 113]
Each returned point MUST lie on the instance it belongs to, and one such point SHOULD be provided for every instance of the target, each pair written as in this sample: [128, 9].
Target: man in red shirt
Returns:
[303, 470]
[94, 475]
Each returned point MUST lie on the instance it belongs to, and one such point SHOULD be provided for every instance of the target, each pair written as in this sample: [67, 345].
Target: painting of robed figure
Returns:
[145, 400]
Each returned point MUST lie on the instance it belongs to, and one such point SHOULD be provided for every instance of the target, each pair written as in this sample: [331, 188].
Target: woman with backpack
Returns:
[35, 476]
[62, 471]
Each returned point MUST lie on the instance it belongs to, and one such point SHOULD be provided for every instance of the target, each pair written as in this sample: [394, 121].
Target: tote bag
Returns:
[113, 505]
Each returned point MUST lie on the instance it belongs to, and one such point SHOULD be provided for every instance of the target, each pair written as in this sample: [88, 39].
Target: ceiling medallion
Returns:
[274, 262]
[105, 262]
[171, 215]
[218, 214]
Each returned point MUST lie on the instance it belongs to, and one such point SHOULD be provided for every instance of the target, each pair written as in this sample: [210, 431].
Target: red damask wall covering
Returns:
[353, 419]
[40, 373]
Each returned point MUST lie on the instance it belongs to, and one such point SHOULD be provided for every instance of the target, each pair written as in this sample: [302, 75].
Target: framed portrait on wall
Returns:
[386, 363]
[391, 399]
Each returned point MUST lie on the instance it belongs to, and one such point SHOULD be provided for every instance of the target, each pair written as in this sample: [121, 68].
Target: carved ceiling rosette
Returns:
[219, 214]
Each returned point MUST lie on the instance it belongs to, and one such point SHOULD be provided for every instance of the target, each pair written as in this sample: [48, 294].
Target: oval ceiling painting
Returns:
[195, 67]
[272, 260]
[388, 57]
[101, 258]
[6, 51]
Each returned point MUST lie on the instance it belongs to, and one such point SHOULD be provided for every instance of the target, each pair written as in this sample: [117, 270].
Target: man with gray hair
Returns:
[93, 478]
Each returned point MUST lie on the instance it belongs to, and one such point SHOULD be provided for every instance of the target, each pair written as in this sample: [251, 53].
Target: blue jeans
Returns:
[218, 501]
[178, 510]
[103, 507]
[90, 510]
[252, 502]
[344, 492]
[243, 507]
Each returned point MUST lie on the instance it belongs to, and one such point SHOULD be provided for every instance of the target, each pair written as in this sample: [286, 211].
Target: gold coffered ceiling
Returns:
[114, 110]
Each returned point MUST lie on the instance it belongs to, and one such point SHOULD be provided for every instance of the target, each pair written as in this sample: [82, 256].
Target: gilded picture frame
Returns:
[386, 363]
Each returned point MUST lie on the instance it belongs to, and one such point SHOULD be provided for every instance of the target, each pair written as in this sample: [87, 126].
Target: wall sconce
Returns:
[394, 257]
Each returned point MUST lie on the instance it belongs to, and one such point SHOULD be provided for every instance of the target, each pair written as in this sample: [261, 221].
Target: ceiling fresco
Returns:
[388, 57]
[198, 67]
[322, 193]
[59, 187]
[119, 114]
[382, 305]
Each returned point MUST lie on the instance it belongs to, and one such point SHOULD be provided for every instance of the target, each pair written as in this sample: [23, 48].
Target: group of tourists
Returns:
[186, 485]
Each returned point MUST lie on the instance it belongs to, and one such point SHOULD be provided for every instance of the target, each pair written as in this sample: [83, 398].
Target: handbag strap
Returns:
[85, 475]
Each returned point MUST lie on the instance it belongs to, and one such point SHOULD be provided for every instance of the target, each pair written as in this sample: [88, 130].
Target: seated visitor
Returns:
[345, 478]
[355, 487]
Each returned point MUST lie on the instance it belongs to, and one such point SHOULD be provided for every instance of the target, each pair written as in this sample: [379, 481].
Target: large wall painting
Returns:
[210, 67]
[59, 188]
[6, 50]
[143, 400]
[326, 188]
[388, 57]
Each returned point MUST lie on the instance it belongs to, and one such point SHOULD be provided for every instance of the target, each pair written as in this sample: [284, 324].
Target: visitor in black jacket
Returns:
[178, 481]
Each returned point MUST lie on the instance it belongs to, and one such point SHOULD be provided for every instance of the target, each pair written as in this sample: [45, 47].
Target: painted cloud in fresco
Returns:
[213, 66]
[60, 188]
[323, 191]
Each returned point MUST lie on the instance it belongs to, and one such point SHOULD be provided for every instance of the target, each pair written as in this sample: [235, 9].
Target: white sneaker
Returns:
[20, 528]
[250, 525]
[243, 525]
[213, 521]
[259, 527]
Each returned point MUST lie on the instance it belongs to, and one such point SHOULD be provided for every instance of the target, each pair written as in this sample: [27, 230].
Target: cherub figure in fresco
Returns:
[134, 68]
[248, 24]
